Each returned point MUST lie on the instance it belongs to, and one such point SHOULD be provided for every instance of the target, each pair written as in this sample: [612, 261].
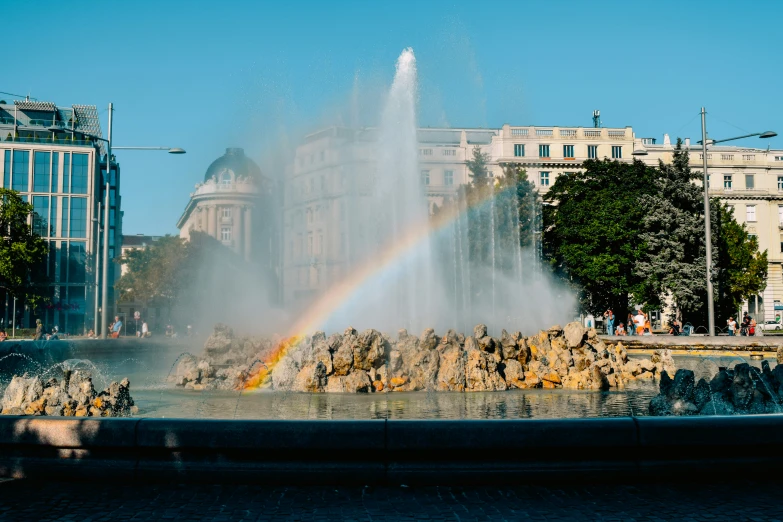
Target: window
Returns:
[309, 243]
[617, 151]
[519, 150]
[749, 181]
[66, 172]
[226, 212]
[78, 217]
[41, 171]
[543, 151]
[299, 245]
[21, 170]
[449, 152]
[425, 177]
[64, 219]
[225, 180]
[40, 215]
[320, 245]
[53, 218]
[592, 151]
[77, 257]
[225, 234]
[55, 169]
[448, 178]
[425, 152]
[341, 210]
[780, 183]
[727, 182]
[79, 177]
[544, 179]
[568, 151]
[7, 169]
[778, 158]
[780, 214]
[309, 213]
[750, 213]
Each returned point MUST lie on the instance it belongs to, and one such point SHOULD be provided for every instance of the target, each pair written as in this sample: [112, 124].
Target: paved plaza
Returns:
[25, 500]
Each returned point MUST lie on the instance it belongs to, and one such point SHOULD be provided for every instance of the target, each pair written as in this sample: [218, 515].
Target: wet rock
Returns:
[682, 388]
[369, 350]
[515, 375]
[311, 378]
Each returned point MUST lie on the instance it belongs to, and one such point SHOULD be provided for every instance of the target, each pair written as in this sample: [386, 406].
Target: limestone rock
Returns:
[451, 370]
[574, 334]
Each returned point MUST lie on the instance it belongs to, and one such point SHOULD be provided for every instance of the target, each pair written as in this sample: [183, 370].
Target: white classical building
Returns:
[335, 165]
[228, 204]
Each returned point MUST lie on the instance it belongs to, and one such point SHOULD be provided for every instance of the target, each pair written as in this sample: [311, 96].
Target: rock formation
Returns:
[741, 389]
[571, 357]
[75, 396]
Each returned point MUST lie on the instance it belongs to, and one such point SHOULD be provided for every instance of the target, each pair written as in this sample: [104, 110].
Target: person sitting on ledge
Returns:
[675, 327]
[3, 335]
[91, 334]
[620, 330]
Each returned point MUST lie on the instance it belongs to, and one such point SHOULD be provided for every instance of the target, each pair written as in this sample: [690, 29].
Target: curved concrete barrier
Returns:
[389, 451]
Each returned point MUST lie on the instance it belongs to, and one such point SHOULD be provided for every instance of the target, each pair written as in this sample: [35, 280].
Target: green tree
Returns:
[152, 274]
[477, 167]
[593, 224]
[673, 266]
[22, 252]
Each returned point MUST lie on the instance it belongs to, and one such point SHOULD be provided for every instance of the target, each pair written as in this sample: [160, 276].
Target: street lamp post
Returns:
[707, 229]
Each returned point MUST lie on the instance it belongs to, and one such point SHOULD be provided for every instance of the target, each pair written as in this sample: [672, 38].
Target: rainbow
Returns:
[324, 306]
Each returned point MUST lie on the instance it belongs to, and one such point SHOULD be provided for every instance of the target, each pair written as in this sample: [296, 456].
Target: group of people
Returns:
[748, 325]
[115, 329]
[40, 335]
[638, 324]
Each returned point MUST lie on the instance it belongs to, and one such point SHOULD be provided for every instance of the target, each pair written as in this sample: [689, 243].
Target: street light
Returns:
[707, 230]
[106, 206]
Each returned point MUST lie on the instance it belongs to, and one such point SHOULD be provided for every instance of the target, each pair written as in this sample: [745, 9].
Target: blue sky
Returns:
[209, 75]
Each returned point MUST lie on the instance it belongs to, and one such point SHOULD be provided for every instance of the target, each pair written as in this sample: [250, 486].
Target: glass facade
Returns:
[41, 215]
[80, 174]
[78, 222]
[55, 170]
[21, 171]
[67, 172]
[64, 219]
[7, 168]
[57, 184]
[42, 171]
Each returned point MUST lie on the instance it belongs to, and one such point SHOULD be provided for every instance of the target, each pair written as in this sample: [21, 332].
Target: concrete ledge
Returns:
[390, 451]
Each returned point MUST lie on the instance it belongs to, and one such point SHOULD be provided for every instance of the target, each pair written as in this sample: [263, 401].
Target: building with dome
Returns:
[234, 205]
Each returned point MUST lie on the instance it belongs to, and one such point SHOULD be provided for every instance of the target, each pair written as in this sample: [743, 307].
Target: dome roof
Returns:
[234, 160]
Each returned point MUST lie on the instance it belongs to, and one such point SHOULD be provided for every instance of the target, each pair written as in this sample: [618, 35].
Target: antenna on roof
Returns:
[596, 118]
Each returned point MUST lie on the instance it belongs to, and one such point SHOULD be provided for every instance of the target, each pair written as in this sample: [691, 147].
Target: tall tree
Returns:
[22, 252]
[478, 167]
[592, 231]
[673, 265]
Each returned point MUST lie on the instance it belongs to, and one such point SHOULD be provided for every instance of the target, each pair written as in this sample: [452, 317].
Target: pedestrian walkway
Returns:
[25, 500]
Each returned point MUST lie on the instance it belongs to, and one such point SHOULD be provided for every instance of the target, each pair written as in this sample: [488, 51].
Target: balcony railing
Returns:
[65, 142]
[519, 132]
[592, 133]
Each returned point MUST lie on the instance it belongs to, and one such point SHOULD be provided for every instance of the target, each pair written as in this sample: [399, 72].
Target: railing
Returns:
[65, 142]
[616, 134]
[701, 156]
[543, 132]
[592, 133]
[519, 132]
[727, 156]
[748, 157]
[568, 133]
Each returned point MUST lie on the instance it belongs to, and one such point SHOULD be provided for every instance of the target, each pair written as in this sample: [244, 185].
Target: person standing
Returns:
[145, 331]
[732, 325]
[638, 321]
[116, 328]
[38, 330]
[610, 319]
[629, 322]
